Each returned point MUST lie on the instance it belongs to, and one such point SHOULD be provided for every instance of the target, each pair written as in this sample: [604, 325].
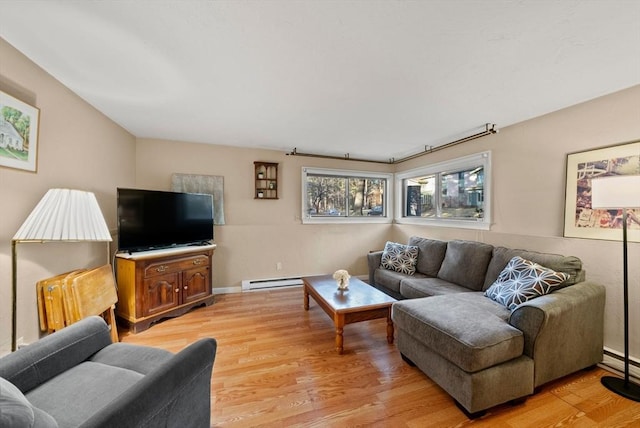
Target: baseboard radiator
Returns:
[614, 360]
[270, 283]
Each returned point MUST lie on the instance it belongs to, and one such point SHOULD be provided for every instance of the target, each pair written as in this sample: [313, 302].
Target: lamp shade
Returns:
[65, 215]
[616, 192]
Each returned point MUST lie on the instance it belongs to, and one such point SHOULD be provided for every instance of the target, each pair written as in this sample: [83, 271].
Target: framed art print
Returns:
[18, 133]
[580, 220]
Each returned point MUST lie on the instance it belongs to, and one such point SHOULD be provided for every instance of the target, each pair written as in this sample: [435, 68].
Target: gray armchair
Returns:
[76, 377]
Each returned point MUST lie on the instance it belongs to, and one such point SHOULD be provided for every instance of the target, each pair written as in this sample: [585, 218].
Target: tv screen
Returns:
[152, 219]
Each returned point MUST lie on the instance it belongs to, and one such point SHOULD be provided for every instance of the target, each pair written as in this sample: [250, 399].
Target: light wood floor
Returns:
[276, 366]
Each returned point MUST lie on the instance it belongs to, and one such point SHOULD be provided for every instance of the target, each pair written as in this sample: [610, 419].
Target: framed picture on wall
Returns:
[18, 133]
[580, 220]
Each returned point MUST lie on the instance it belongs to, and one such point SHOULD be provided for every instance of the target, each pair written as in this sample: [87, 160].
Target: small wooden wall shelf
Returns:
[265, 175]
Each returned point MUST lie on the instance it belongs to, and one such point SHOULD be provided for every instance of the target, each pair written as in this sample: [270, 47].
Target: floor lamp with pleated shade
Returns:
[61, 215]
[620, 193]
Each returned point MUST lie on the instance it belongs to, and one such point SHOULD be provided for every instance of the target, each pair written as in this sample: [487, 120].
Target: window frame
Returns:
[467, 162]
[348, 173]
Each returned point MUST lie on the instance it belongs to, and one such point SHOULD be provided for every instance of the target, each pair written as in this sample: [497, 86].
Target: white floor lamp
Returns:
[620, 192]
[61, 215]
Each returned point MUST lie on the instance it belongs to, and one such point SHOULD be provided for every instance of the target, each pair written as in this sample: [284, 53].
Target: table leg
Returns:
[306, 298]
[389, 328]
[339, 321]
[339, 340]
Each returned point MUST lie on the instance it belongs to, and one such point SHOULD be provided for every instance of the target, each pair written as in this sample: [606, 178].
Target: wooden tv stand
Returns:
[158, 284]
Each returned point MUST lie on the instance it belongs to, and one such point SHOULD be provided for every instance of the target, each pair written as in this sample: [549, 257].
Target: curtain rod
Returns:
[490, 128]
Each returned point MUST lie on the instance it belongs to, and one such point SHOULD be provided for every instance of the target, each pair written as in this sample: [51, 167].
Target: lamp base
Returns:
[627, 389]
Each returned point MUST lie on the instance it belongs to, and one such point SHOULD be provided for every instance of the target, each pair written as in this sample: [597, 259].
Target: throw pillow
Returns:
[16, 411]
[523, 280]
[430, 254]
[465, 263]
[400, 258]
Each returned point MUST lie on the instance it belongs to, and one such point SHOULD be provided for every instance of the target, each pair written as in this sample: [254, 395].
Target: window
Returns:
[453, 193]
[330, 195]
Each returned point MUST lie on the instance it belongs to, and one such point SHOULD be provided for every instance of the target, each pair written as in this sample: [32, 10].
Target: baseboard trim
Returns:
[227, 290]
[613, 361]
[231, 290]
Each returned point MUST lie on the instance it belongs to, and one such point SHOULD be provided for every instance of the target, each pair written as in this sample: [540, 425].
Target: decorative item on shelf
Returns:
[620, 194]
[272, 185]
[260, 194]
[260, 175]
[342, 278]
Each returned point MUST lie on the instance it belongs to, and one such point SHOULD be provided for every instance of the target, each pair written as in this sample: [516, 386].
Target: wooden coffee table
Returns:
[361, 302]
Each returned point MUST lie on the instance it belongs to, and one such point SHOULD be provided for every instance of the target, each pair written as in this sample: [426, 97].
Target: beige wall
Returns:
[79, 148]
[258, 233]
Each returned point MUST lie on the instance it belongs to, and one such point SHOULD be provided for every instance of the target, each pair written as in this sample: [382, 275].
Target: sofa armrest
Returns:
[373, 260]
[177, 394]
[38, 362]
[563, 330]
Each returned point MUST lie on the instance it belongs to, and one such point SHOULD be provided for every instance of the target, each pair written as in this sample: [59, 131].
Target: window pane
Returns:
[344, 196]
[420, 197]
[326, 195]
[462, 194]
[366, 196]
[444, 193]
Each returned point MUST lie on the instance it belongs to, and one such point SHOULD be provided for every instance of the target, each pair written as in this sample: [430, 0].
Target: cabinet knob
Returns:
[177, 290]
[185, 287]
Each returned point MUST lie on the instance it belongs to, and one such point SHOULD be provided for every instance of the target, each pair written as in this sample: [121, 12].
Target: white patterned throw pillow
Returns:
[523, 280]
[400, 258]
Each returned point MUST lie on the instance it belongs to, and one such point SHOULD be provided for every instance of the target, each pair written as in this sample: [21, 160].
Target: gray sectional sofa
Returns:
[480, 351]
[76, 377]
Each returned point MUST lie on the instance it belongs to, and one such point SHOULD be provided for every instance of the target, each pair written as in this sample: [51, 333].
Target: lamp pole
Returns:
[624, 387]
[14, 295]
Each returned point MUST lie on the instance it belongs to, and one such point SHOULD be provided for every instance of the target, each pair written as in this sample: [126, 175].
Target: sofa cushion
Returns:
[141, 359]
[467, 329]
[523, 280]
[391, 279]
[465, 263]
[76, 394]
[399, 257]
[570, 265]
[430, 254]
[16, 411]
[412, 288]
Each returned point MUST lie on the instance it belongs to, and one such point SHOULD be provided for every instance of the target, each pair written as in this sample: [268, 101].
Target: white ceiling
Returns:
[374, 79]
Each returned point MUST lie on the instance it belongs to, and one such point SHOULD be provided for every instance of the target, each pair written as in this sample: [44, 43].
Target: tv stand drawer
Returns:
[175, 265]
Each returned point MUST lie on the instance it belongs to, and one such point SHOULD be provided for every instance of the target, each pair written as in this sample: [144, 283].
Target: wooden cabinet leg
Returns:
[389, 328]
[306, 298]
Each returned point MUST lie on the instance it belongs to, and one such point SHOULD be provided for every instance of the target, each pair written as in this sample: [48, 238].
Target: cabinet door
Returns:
[196, 283]
[161, 292]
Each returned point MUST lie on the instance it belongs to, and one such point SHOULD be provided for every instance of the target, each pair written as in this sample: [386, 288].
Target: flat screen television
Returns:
[153, 219]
